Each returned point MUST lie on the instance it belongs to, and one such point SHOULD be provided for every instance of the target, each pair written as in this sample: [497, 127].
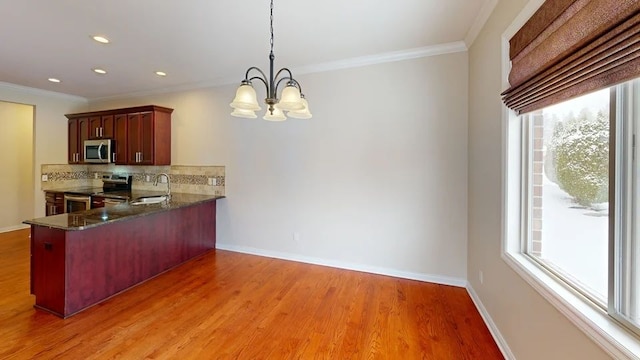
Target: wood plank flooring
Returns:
[226, 305]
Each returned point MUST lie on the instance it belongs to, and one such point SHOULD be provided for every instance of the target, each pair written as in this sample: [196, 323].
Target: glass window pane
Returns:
[568, 191]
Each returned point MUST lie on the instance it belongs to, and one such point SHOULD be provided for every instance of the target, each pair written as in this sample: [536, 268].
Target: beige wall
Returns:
[49, 131]
[533, 328]
[375, 181]
[16, 157]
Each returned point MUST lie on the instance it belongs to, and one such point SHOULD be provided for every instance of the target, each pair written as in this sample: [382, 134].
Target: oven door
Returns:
[73, 203]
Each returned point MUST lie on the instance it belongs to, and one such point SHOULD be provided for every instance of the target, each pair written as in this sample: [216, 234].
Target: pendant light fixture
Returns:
[291, 100]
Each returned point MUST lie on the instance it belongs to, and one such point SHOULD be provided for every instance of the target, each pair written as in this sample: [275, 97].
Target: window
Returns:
[572, 191]
[566, 161]
[580, 202]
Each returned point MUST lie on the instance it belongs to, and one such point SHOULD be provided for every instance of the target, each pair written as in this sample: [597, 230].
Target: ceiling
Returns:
[211, 42]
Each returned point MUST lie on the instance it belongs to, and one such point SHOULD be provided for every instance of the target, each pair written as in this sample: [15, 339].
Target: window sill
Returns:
[595, 323]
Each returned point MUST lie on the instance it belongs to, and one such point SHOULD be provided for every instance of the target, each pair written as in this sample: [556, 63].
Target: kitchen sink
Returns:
[147, 200]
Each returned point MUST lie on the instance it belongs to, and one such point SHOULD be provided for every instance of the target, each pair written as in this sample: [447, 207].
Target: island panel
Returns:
[101, 261]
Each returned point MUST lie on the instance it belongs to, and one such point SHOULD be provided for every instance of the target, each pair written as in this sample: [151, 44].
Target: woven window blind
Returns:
[572, 47]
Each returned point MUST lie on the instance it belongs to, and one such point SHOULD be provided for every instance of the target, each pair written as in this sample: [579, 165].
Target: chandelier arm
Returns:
[279, 81]
[290, 79]
[246, 75]
[285, 70]
[261, 79]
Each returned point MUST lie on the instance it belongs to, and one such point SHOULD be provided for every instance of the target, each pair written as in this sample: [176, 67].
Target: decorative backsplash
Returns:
[184, 179]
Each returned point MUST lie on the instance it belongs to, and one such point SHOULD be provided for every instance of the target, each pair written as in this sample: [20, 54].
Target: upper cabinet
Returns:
[101, 127]
[142, 134]
[78, 131]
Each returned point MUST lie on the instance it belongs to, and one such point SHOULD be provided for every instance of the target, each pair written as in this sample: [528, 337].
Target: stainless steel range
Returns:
[116, 189]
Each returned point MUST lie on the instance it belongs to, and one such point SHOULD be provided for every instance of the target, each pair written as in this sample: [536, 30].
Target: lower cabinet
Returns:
[54, 201]
[48, 268]
[72, 270]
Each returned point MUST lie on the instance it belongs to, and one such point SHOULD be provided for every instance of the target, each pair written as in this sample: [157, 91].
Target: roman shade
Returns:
[572, 47]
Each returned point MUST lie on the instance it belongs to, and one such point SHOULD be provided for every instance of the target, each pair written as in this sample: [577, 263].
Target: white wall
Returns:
[49, 131]
[376, 180]
[16, 157]
[532, 327]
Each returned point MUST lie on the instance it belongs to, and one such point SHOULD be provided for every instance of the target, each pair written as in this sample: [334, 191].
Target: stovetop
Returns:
[113, 185]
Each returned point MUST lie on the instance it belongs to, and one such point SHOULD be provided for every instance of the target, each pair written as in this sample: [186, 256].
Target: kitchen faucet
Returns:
[155, 183]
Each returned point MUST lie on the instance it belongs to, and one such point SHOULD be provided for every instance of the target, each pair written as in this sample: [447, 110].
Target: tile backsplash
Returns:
[184, 179]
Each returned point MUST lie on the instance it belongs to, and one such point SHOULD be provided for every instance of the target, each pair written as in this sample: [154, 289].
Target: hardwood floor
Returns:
[226, 305]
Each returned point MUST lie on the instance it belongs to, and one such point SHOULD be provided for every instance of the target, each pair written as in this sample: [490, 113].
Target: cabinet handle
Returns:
[96, 132]
[101, 132]
[114, 157]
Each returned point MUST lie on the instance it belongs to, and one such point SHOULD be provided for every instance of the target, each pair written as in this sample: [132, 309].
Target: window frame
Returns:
[595, 322]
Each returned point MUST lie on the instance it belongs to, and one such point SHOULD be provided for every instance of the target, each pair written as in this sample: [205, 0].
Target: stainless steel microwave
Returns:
[98, 151]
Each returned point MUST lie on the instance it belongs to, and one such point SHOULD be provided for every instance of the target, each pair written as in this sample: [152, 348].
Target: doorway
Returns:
[16, 165]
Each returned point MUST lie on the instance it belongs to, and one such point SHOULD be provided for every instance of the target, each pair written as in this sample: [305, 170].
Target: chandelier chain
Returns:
[271, 24]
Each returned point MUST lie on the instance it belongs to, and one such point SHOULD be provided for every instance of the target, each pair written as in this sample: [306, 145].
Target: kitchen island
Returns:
[80, 259]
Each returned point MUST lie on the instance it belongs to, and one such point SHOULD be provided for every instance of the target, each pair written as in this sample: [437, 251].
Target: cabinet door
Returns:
[120, 135]
[47, 267]
[133, 148]
[146, 138]
[83, 134]
[95, 124]
[73, 141]
[107, 127]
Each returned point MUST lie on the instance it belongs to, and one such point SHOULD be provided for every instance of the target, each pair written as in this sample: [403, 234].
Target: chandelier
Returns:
[292, 99]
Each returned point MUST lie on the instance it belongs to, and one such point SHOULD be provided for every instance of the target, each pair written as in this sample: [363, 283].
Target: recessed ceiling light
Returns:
[99, 71]
[54, 80]
[100, 39]
[161, 73]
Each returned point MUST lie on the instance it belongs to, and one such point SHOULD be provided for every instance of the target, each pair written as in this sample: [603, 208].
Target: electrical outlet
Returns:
[95, 175]
[296, 237]
[163, 179]
[147, 178]
[212, 181]
[45, 177]
[481, 276]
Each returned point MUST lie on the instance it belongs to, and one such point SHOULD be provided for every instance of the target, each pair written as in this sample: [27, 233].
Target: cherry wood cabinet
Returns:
[149, 140]
[74, 269]
[101, 127]
[142, 134]
[48, 268]
[121, 137]
[78, 131]
[54, 201]
[97, 202]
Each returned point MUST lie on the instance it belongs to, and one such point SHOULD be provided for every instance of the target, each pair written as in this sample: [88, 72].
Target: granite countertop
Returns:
[95, 217]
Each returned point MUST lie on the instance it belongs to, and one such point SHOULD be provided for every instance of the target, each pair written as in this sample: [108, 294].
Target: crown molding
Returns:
[40, 92]
[393, 56]
[478, 23]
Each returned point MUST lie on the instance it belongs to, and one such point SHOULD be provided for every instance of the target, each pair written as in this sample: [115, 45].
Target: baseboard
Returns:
[437, 279]
[493, 329]
[13, 228]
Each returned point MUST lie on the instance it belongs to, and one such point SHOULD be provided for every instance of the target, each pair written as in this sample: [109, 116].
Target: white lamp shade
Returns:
[245, 98]
[249, 114]
[301, 114]
[277, 115]
[290, 100]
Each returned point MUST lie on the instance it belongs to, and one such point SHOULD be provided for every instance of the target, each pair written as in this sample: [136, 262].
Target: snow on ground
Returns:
[575, 239]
